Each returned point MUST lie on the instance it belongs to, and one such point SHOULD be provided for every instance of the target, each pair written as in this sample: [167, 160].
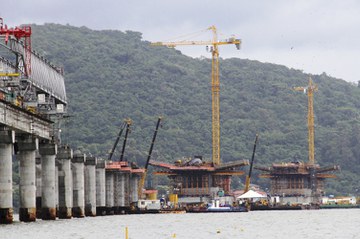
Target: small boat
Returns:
[215, 207]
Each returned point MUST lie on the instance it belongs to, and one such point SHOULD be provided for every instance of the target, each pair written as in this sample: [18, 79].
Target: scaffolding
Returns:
[200, 180]
[297, 179]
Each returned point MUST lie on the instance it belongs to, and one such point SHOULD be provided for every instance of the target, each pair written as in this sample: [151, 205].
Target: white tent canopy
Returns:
[251, 194]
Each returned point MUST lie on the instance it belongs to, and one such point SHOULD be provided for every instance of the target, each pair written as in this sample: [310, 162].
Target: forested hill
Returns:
[113, 75]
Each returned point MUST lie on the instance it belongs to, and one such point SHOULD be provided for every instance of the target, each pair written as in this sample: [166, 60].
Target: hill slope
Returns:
[112, 75]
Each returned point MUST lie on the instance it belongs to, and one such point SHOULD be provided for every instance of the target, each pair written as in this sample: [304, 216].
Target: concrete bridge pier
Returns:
[126, 196]
[134, 185]
[27, 146]
[100, 188]
[109, 177]
[121, 192]
[78, 184]
[7, 139]
[64, 157]
[38, 184]
[90, 186]
[48, 199]
[57, 187]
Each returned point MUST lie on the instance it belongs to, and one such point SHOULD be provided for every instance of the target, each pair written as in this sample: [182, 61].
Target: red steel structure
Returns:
[18, 33]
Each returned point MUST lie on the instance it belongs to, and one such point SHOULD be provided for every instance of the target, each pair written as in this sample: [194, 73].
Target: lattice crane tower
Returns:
[310, 89]
[213, 47]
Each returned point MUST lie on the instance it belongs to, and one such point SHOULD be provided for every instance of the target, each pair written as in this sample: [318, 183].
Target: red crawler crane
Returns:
[19, 32]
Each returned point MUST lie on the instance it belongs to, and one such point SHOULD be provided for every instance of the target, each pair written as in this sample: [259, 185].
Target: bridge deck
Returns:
[23, 121]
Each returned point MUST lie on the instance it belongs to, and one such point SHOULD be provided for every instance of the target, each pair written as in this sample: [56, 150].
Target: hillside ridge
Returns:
[112, 75]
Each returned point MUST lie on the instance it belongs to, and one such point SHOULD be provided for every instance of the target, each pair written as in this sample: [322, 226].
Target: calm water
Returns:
[320, 224]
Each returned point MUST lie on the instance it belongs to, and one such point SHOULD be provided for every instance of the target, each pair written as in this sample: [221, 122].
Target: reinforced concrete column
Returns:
[38, 184]
[90, 186]
[120, 191]
[134, 184]
[57, 186]
[100, 188]
[7, 139]
[78, 184]
[48, 152]
[126, 190]
[109, 178]
[64, 157]
[27, 146]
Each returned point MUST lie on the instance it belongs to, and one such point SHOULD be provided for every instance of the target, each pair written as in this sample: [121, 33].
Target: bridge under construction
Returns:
[57, 181]
[54, 180]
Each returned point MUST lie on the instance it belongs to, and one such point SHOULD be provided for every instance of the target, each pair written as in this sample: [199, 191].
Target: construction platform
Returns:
[196, 181]
[297, 182]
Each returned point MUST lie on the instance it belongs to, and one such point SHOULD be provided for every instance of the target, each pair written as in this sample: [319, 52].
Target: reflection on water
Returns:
[321, 224]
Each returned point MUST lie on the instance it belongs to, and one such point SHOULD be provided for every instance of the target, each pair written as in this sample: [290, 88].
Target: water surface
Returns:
[320, 224]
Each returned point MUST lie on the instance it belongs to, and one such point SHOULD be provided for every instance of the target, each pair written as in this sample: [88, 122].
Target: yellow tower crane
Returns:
[213, 47]
[310, 89]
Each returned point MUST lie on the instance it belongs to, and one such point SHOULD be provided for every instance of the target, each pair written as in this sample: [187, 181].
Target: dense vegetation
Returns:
[113, 75]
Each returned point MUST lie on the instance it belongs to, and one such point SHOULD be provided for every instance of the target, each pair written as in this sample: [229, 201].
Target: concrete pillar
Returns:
[65, 180]
[109, 177]
[27, 146]
[122, 191]
[100, 188]
[78, 184]
[117, 192]
[57, 187]
[38, 185]
[90, 186]
[126, 191]
[7, 139]
[134, 185]
[48, 204]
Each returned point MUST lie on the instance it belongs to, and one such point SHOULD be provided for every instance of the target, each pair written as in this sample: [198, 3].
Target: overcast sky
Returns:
[315, 36]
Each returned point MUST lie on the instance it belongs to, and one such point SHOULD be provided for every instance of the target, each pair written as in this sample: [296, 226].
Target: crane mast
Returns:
[215, 83]
[143, 177]
[128, 124]
[215, 96]
[310, 89]
[116, 141]
[248, 178]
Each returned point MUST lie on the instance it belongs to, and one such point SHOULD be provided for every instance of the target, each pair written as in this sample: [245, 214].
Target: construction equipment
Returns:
[143, 177]
[116, 141]
[310, 89]
[305, 180]
[8, 74]
[211, 46]
[247, 182]
[19, 32]
[128, 124]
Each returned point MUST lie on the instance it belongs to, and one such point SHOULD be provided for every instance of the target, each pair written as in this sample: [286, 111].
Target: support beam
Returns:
[7, 139]
[78, 184]
[90, 186]
[64, 157]
[30, 123]
[27, 146]
[100, 188]
[48, 152]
